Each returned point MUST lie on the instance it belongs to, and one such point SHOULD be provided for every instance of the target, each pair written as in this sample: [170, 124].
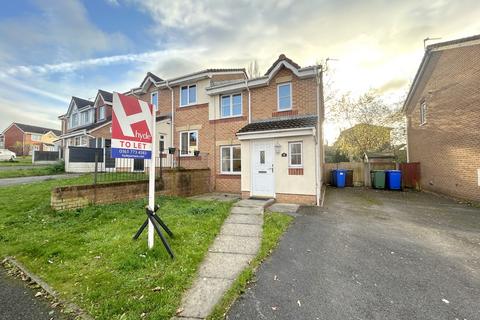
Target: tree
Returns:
[371, 120]
[252, 70]
[361, 138]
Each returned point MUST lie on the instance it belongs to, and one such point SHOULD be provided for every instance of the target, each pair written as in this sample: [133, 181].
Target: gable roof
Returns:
[430, 50]
[82, 103]
[36, 129]
[106, 96]
[280, 124]
[282, 62]
[281, 58]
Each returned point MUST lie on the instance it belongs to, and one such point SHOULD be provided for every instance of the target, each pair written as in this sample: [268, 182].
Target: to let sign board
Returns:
[131, 127]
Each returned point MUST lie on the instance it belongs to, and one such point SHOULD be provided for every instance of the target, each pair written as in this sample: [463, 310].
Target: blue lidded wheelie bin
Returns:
[393, 179]
[340, 178]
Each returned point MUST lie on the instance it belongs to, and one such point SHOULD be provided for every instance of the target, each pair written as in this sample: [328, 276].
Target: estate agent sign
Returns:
[132, 121]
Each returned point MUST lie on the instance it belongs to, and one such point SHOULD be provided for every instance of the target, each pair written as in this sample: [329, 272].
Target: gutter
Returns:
[172, 125]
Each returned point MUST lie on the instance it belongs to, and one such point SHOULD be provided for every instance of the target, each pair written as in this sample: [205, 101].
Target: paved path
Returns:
[6, 168]
[232, 250]
[18, 302]
[24, 180]
[372, 255]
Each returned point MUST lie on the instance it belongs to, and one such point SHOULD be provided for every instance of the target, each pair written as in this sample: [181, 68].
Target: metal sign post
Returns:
[133, 137]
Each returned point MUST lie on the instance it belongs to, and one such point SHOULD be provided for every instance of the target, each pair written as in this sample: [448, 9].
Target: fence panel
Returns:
[411, 175]
[361, 171]
[45, 156]
[84, 154]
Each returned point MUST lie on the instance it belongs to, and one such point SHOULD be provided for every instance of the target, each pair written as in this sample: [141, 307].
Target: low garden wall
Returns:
[174, 182]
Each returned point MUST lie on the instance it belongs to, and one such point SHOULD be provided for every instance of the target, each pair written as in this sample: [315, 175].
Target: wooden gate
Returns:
[410, 175]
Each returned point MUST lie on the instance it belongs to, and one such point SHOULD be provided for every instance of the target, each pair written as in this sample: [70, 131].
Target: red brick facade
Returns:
[21, 142]
[448, 144]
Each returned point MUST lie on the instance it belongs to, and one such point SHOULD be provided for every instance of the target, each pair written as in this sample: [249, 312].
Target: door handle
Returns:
[262, 171]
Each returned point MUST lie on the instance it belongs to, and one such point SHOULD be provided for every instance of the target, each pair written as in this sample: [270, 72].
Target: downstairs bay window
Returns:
[230, 160]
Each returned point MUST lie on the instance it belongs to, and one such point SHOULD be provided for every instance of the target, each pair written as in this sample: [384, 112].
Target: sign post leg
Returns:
[151, 181]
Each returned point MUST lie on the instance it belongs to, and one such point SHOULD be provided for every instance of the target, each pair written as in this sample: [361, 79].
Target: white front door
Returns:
[262, 169]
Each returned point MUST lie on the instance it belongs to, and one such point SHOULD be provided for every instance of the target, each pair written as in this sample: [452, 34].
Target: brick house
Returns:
[443, 116]
[23, 139]
[260, 137]
[83, 122]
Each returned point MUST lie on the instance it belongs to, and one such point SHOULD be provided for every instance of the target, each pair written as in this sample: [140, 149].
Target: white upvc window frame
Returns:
[278, 96]
[423, 113]
[290, 153]
[101, 112]
[231, 172]
[231, 105]
[151, 99]
[188, 154]
[72, 117]
[36, 135]
[189, 103]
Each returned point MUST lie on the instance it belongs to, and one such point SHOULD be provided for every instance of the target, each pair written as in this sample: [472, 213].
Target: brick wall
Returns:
[448, 144]
[12, 136]
[304, 97]
[175, 183]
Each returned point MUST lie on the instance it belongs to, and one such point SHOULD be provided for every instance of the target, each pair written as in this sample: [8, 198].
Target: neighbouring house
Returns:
[23, 139]
[86, 123]
[443, 115]
[260, 137]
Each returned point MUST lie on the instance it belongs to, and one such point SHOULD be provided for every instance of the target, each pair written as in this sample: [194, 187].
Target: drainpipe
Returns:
[172, 125]
[249, 102]
[319, 133]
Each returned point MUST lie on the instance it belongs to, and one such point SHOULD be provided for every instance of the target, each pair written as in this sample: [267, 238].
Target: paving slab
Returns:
[253, 203]
[235, 244]
[245, 219]
[247, 210]
[239, 229]
[224, 265]
[202, 297]
[284, 208]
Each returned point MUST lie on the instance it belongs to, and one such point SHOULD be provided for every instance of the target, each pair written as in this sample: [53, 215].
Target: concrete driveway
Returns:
[372, 255]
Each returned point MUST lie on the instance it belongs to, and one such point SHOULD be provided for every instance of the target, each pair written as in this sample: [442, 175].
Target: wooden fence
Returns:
[361, 171]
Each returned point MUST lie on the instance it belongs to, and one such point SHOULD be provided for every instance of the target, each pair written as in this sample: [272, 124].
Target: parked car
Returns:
[7, 155]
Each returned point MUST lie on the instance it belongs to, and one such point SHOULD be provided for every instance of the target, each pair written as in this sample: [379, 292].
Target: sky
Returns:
[53, 49]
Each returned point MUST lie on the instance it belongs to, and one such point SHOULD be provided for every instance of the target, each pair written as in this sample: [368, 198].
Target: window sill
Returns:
[229, 175]
[195, 105]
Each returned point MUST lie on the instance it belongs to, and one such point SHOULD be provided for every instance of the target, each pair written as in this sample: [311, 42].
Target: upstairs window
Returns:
[188, 142]
[295, 158]
[231, 106]
[36, 137]
[74, 120]
[154, 100]
[284, 95]
[101, 113]
[188, 95]
[85, 117]
[423, 113]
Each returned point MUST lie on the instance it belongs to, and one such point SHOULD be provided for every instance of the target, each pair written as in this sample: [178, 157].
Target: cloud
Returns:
[58, 31]
[65, 67]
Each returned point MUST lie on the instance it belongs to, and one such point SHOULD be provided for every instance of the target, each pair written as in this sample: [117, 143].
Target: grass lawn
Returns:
[89, 256]
[20, 161]
[274, 225]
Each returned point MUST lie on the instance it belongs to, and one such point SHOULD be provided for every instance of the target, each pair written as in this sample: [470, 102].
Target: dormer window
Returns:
[188, 95]
[74, 121]
[101, 113]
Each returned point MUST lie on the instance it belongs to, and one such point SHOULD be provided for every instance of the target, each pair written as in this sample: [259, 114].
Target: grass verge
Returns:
[89, 257]
[274, 225]
[38, 171]
[19, 161]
